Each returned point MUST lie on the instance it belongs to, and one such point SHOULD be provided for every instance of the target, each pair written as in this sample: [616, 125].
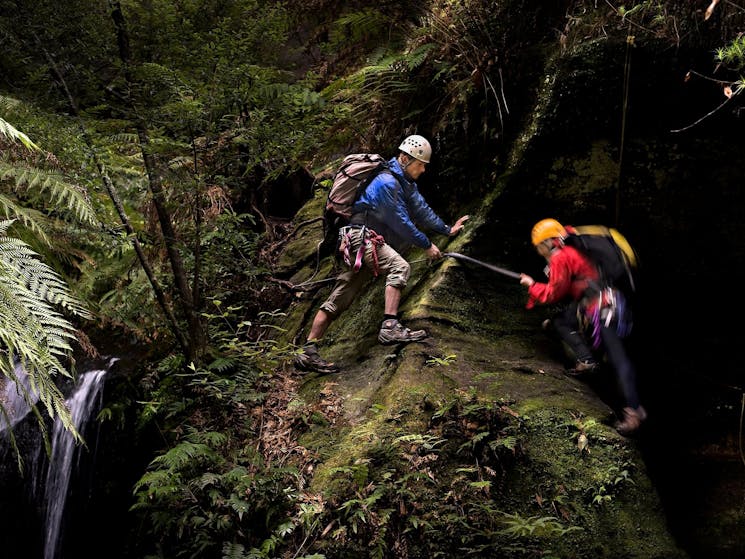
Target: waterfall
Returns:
[16, 398]
[45, 496]
[84, 400]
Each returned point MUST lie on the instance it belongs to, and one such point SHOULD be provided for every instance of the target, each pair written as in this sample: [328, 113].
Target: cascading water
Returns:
[51, 502]
[85, 398]
[16, 398]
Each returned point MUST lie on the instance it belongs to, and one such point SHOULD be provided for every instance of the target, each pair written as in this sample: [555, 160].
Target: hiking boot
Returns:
[393, 332]
[583, 366]
[632, 420]
[309, 360]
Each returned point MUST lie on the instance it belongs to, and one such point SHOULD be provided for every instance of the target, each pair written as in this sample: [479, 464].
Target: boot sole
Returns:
[386, 341]
[329, 370]
[318, 370]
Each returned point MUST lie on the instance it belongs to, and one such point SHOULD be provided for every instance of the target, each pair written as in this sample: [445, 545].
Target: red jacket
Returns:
[568, 277]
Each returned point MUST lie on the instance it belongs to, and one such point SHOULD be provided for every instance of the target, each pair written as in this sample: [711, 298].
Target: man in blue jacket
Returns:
[386, 222]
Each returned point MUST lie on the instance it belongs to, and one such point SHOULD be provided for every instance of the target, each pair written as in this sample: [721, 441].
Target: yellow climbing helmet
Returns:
[546, 229]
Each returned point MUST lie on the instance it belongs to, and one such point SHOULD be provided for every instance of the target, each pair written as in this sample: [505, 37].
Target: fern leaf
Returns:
[183, 454]
[61, 193]
[10, 132]
[34, 281]
[32, 219]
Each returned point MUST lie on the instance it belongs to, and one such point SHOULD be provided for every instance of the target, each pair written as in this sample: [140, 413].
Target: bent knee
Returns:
[330, 308]
[398, 274]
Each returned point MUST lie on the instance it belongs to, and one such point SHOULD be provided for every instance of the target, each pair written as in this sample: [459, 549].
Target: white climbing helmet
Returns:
[417, 147]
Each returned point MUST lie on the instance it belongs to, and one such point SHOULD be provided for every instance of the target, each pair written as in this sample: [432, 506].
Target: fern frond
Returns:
[386, 77]
[164, 76]
[33, 281]
[152, 480]
[32, 219]
[223, 364]
[180, 162]
[23, 337]
[214, 439]
[32, 331]
[233, 551]
[62, 194]
[207, 479]
[126, 138]
[418, 56]
[10, 132]
[354, 27]
[183, 454]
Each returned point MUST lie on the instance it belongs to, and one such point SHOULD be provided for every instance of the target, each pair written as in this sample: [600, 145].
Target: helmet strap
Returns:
[409, 160]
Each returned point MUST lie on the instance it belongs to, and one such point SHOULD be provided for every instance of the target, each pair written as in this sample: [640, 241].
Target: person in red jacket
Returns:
[573, 282]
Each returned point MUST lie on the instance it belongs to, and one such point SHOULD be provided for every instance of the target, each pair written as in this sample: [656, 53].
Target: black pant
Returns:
[625, 371]
[568, 328]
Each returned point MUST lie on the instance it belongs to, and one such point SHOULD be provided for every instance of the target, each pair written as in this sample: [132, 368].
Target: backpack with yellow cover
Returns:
[614, 256]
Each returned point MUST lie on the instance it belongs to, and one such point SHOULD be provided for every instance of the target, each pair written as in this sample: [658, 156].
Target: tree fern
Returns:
[32, 332]
[50, 184]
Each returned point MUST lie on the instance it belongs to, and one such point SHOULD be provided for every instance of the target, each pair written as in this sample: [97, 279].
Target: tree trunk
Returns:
[114, 196]
[196, 331]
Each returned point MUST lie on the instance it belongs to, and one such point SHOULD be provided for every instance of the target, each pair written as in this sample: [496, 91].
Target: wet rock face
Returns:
[674, 189]
[19, 514]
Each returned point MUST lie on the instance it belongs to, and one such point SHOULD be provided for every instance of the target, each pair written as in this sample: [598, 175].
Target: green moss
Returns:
[303, 245]
[390, 393]
[524, 446]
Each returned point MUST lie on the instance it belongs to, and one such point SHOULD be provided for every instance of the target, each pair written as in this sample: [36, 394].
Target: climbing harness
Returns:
[369, 239]
[491, 267]
[602, 310]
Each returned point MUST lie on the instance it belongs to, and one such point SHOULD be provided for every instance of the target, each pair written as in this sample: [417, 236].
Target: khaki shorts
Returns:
[391, 265]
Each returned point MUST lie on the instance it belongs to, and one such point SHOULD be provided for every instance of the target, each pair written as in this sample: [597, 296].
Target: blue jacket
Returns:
[396, 210]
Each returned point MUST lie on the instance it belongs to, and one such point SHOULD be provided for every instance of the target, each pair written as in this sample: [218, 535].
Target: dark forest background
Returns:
[162, 167]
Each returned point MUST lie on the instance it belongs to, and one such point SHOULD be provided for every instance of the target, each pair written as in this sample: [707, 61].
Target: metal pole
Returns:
[491, 267]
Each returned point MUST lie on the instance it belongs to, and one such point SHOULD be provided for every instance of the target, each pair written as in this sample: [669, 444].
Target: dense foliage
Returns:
[37, 306]
[169, 131]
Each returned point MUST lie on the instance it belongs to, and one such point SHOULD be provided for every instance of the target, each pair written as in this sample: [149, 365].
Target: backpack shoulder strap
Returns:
[382, 167]
[400, 179]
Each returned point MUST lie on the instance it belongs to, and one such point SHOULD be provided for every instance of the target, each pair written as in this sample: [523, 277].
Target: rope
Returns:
[307, 283]
[302, 286]
[491, 267]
